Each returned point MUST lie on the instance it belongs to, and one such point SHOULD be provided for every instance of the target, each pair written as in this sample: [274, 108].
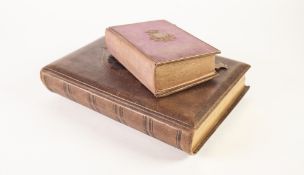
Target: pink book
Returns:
[162, 56]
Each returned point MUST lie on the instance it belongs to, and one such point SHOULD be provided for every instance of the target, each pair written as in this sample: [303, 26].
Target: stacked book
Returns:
[153, 77]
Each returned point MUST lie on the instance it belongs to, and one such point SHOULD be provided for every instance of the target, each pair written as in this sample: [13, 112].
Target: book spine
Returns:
[169, 133]
[143, 69]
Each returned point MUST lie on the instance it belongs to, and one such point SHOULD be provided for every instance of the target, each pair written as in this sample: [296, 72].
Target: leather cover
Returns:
[162, 41]
[93, 78]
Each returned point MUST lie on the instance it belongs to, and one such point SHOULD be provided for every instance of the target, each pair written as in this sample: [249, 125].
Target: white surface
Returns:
[43, 133]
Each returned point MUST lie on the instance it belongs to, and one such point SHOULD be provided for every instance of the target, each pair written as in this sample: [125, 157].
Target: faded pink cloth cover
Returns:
[163, 41]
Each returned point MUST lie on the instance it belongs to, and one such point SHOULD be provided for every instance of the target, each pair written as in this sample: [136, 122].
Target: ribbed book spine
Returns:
[138, 118]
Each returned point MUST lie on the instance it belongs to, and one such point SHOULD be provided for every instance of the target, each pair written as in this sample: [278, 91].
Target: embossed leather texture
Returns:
[163, 41]
[93, 78]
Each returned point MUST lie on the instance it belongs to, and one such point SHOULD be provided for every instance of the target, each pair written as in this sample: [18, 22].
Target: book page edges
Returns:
[202, 133]
[188, 84]
[176, 76]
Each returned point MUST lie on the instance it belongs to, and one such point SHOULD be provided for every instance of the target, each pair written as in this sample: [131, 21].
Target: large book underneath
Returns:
[92, 77]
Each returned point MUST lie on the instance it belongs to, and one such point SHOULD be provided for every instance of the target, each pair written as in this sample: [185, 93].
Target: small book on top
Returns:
[162, 56]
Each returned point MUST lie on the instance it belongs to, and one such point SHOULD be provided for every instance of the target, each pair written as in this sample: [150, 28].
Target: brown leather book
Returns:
[165, 58]
[185, 120]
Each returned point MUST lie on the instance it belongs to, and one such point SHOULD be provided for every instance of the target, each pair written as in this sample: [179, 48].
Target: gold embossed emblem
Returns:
[157, 35]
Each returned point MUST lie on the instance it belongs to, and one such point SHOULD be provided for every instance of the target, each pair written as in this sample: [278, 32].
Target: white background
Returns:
[43, 133]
